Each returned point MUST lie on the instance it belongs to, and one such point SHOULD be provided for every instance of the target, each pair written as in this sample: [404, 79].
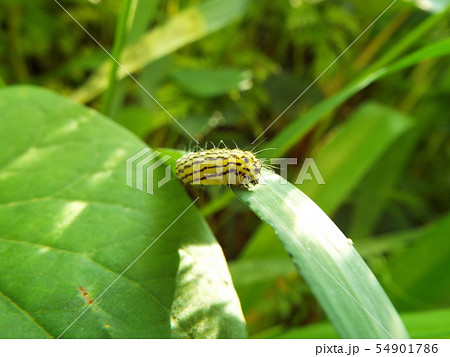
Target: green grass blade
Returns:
[139, 16]
[407, 41]
[188, 26]
[124, 22]
[296, 130]
[373, 196]
[343, 284]
[351, 152]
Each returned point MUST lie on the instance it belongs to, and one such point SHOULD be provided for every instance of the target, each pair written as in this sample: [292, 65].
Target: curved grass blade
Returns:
[343, 284]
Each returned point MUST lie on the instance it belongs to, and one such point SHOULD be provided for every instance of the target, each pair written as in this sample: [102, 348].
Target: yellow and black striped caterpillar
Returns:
[219, 167]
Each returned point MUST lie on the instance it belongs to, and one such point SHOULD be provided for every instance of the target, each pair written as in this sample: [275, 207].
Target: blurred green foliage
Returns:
[232, 76]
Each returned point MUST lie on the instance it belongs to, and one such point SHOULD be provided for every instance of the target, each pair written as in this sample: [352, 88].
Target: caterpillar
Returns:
[219, 167]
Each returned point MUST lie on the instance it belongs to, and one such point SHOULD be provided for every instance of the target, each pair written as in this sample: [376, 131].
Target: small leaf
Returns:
[212, 83]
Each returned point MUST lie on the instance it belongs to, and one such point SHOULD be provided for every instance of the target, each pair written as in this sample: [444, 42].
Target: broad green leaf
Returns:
[16, 322]
[68, 219]
[213, 82]
[351, 151]
[186, 27]
[341, 281]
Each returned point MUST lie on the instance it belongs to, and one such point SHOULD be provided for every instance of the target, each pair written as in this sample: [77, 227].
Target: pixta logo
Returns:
[136, 164]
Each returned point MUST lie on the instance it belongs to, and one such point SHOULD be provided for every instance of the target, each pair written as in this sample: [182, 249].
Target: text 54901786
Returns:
[380, 349]
[407, 348]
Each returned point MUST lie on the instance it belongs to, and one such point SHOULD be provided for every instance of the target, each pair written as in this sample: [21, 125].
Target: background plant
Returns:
[375, 122]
